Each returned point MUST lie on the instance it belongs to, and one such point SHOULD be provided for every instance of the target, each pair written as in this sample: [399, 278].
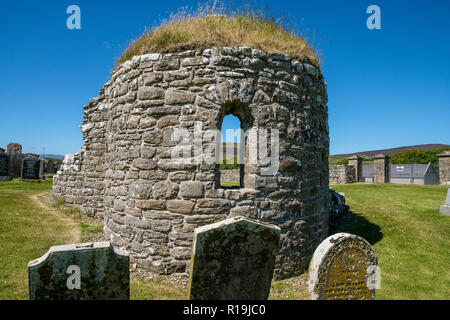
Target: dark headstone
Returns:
[4, 167]
[88, 271]
[14, 148]
[31, 169]
[50, 167]
[233, 260]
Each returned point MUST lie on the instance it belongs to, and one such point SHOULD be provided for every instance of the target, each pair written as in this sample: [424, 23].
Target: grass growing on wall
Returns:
[212, 24]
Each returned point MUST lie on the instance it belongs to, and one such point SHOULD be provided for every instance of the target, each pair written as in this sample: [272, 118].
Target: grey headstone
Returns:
[233, 260]
[13, 148]
[88, 271]
[445, 208]
[343, 267]
[42, 169]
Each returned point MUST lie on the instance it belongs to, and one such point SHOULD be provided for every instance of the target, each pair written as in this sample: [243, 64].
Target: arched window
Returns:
[231, 163]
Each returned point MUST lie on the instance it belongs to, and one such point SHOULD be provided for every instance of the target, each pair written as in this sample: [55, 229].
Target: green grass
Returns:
[229, 184]
[26, 233]
[409, 235]
[402, 222]
[155, 289]
[337, 160]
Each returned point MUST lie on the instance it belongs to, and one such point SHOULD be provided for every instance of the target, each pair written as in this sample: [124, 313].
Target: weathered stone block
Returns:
[150, 93]
[152, 78]
[151, 204]
[167, 121]
[180, 206]
[174, 96]
[144, 164]
[165, 190]
[191, 189]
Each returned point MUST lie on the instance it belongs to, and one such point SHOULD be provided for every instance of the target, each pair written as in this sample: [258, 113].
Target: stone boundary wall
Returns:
[342, 174]
[151, 205]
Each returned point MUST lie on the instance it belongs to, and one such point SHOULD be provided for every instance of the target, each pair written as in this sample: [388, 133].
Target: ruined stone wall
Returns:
[151, 204]
[342, 174]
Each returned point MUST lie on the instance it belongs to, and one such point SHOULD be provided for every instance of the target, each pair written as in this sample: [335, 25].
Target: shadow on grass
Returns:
[357, 224]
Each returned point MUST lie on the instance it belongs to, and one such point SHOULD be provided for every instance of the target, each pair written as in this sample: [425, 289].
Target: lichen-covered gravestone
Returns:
[343, 267]
[88, 271]
[445, 208]
[233, 260]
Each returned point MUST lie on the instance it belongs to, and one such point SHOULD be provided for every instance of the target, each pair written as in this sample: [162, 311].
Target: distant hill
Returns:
[51, 156]
[392, 151]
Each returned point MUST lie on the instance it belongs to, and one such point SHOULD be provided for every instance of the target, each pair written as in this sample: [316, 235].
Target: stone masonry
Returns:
[444, 168]
[357, 162]
[381, 168]
[342, 174]
[150, 204]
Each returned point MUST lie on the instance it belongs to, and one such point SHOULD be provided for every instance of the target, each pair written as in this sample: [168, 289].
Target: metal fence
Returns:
[367, 173]
[413, 174]
[423, 174]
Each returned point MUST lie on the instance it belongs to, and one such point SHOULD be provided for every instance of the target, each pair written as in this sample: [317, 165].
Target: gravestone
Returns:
[50, 167]
[32, 169]
[88, 271]
[58, 166]
[445, 208]
[233, 260]
[13, 148]
[343, 267]
[4, 167]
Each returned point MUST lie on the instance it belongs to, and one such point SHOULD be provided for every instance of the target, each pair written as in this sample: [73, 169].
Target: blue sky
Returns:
[386, 88]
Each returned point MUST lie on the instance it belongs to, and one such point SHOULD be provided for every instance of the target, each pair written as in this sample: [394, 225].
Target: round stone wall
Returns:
[157, 107]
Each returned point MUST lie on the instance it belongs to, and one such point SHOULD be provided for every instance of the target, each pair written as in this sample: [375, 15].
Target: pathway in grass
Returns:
[27, 231]
[409, 234]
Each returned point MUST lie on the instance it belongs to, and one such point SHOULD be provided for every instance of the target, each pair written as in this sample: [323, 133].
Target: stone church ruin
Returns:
[125, 173]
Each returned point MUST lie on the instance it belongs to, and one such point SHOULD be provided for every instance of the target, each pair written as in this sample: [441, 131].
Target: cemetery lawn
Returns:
[409, 234]
[402, 222]
[27, 231]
